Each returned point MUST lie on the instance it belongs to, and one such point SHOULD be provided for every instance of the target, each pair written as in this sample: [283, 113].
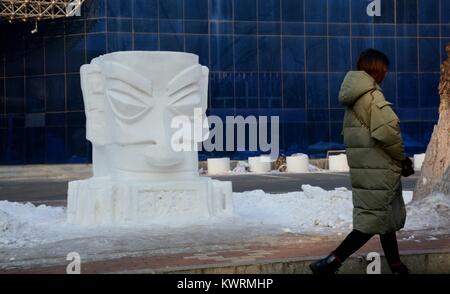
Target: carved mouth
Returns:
[165, 161]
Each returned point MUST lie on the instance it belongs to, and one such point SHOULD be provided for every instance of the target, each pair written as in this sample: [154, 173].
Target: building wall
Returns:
[267, 57]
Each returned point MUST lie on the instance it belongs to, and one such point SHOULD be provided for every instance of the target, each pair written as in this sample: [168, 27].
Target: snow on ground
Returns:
[430, 212]
[311, 211]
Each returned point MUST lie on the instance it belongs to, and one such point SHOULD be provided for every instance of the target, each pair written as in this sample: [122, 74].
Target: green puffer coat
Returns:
[374, 151]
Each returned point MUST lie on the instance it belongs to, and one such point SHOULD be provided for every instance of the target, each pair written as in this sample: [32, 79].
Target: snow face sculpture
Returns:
[131, 100]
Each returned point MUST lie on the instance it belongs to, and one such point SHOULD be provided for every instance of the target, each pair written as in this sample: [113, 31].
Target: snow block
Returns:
[297, 163]
[103, 201]
[260, 164]
[338, 163]
[218, 166]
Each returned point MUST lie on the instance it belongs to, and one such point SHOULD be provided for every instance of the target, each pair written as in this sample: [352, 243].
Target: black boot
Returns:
[326, 266]
[399, 269]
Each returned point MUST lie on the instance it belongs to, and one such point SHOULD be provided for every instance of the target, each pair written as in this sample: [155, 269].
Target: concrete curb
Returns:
[418, 262]
[432, 262]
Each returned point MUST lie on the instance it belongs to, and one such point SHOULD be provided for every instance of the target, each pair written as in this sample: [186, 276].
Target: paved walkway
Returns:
[287, 253]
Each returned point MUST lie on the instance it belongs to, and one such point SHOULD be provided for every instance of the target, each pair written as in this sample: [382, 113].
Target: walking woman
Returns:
[375, 154]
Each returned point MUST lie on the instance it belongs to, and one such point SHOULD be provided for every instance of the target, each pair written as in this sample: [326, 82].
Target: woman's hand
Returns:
[407, 167]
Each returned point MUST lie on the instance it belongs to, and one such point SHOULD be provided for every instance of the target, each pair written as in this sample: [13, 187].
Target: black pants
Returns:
[357, 239]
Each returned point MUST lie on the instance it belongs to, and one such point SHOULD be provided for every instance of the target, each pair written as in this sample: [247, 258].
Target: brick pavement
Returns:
[282, 249]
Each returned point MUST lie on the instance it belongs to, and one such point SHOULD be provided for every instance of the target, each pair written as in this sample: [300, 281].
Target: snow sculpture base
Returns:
[98, 201]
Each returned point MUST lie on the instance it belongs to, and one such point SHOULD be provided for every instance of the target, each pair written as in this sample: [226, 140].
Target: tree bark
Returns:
[435, 174]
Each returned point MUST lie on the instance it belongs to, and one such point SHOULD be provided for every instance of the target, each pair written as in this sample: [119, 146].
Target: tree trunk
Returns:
[444, 186]
[435, 175]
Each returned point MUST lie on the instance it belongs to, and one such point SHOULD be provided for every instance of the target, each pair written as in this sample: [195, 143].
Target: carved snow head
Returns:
[131, 99]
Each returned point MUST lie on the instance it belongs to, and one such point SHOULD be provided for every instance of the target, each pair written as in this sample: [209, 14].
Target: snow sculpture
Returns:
[131, 101]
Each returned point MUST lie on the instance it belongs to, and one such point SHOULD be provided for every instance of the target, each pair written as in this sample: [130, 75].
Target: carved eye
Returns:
[185, 91]
[185, 100]
[128, 92]
[125, 101]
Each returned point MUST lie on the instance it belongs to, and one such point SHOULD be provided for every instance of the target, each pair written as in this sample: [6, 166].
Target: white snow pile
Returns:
[26, 223]
[431, 212]
[311, 211]
[241, 168]
[312, 168]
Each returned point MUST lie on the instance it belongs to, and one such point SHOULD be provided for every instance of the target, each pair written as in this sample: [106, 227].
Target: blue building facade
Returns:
[267, 57]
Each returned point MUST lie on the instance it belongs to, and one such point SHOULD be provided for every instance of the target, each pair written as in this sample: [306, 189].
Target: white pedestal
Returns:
[99, 201]
[218, 166]
[259, 164]
[297, 164]
[338, 163]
